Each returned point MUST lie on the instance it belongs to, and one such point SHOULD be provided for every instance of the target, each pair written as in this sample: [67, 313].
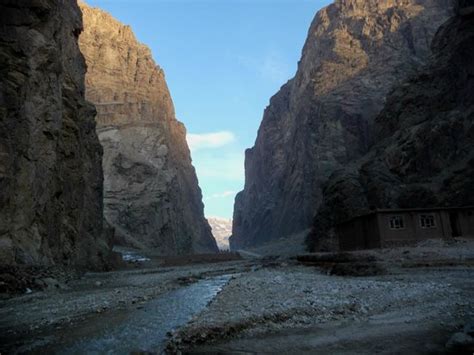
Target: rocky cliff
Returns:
[423, 154]
[323, 118]
[152, 197]
[50, 157]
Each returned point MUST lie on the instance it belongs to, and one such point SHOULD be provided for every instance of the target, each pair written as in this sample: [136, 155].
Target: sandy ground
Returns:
[412, 301]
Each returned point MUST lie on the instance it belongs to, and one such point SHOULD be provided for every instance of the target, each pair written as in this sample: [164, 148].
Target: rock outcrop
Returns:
[152, 197]
[51, 208]
[423, 154]
[323, 118]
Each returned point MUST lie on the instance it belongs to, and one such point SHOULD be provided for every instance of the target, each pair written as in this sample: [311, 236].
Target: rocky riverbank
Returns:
[422, 295]
[422, 292]
[36, 319]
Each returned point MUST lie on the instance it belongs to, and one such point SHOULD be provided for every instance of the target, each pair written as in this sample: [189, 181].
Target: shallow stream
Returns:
[142, 329]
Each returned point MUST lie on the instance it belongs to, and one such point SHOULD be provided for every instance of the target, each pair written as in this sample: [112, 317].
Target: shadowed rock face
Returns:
[323, 119]
[51, 208]
[152, 197]
[423, 154]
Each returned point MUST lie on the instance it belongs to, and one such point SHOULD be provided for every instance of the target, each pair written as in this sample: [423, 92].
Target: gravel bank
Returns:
[256, 306]
[27, 319]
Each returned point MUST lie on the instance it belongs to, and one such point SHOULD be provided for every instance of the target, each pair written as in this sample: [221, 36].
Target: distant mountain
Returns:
[222, 230]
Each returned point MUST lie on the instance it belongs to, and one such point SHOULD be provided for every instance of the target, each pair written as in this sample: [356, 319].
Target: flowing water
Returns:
[143, 329]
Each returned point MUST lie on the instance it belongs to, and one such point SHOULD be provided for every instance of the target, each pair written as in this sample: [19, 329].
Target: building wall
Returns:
[466, 222]
[446, 224]
[374, 231]
[360, 233]
[412, 231]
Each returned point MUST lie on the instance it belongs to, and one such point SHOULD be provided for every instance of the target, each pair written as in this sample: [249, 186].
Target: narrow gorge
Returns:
[354, 232]
[323, 118]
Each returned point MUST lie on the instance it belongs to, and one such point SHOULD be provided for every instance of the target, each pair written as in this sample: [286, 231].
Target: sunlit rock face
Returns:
[221, 230]
[152, 197]
[423, 154]
[51, 208]
[323, 118]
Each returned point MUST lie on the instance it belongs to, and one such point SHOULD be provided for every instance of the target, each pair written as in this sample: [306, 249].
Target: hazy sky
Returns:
[223, 61]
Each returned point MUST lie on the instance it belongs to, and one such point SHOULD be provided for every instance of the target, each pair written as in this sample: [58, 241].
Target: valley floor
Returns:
[415, 301]
[412, 301]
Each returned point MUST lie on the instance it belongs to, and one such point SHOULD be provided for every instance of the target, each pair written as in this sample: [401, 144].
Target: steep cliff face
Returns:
[323, 118]
[423, 154]
[50, 157]
[152, 197]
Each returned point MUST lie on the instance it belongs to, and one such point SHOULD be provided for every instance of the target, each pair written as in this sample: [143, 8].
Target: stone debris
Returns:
[276, 299]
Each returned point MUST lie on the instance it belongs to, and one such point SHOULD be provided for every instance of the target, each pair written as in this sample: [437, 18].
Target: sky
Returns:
[223, 61]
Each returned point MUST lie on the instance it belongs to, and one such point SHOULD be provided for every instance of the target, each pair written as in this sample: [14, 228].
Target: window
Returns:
[427, 221]
[397, 222]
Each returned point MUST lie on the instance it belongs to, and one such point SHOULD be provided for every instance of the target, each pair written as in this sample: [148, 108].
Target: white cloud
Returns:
[224, 194]
[209, 140]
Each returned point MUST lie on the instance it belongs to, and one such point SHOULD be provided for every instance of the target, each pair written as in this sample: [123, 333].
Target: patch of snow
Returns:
[221, 230]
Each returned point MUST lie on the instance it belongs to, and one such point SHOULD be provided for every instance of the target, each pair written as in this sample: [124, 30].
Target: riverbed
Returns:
[143, 329]
[116, 312]
[420, 295]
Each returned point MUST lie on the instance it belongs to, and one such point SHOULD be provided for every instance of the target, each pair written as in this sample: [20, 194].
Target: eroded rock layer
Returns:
[152, 197]
[51, 209]
[424, 140]
[323, 118]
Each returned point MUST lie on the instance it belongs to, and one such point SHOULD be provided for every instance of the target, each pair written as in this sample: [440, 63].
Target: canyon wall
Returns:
[151, 192]
[423, 154]
[51, 209]
[323, 118]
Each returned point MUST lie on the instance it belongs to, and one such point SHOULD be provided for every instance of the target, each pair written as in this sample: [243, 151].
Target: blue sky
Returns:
[223, 60]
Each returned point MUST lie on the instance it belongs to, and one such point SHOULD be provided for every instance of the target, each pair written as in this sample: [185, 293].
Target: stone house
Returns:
[384, 228]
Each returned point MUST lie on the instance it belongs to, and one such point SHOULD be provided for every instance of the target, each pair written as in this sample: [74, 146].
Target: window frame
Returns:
[423, 218]
[400, 222]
